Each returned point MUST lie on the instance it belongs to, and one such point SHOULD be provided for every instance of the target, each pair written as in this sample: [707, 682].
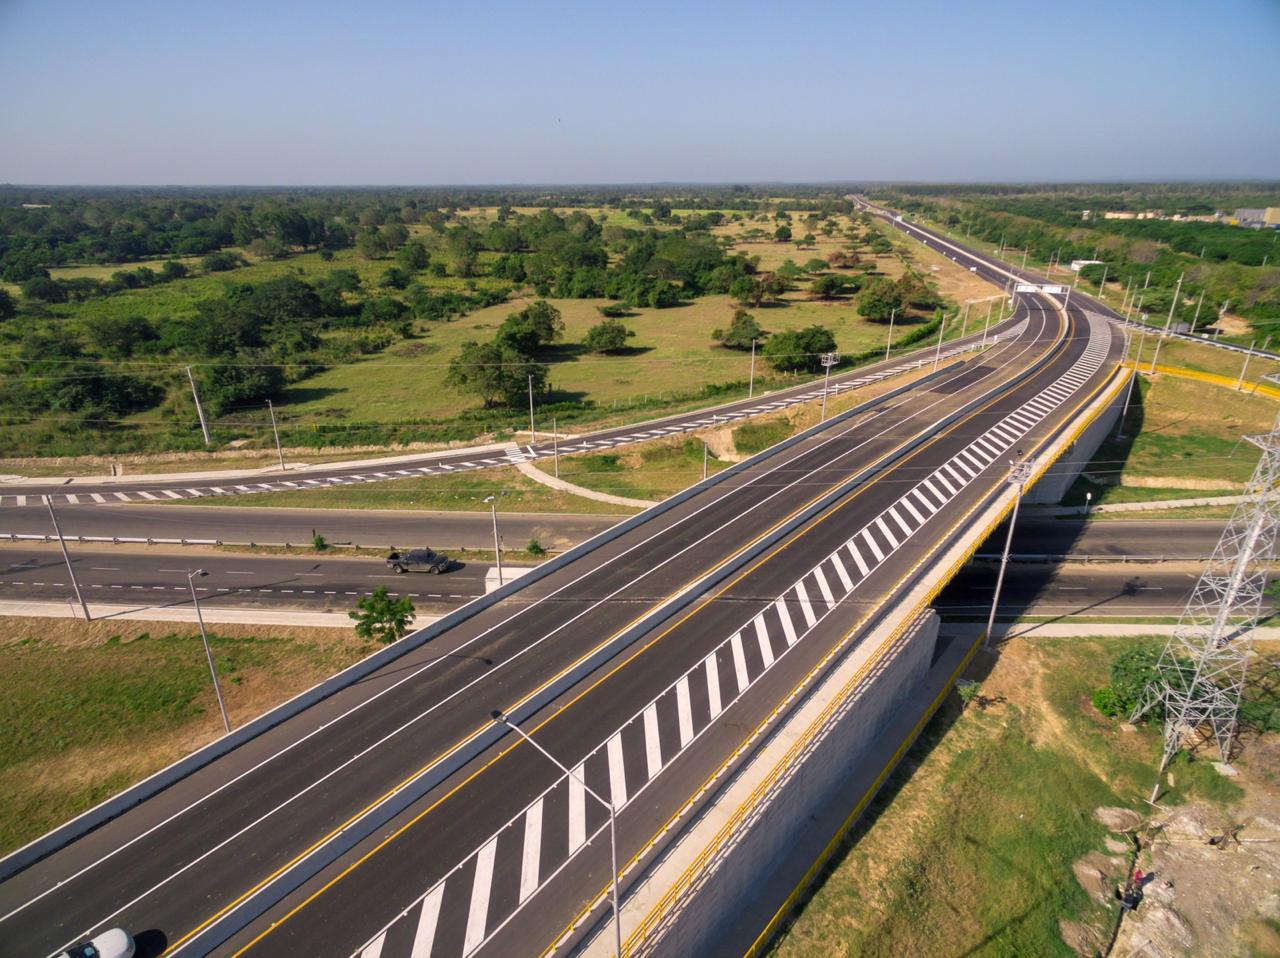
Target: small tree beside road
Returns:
[378, 616]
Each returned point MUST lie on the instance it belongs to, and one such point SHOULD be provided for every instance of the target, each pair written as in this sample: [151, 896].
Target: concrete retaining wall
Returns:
[833, 756]
[1053, 485]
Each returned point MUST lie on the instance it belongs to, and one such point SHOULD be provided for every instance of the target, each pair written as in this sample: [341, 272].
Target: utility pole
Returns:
[990, 308]
[279, 451]
[1018, 477]
[1245, 365]
[1128, 393]
[208, 653]
[828, 360]
[1199, 303]
[1173, 305]
[937, 351]
[204, 426]
[555, 445]
[706, 454]
[1024, 257]
[965, 324]
[1102, 287]
[497, 548]
[533, 436]
[751, 382]
[889, 345]
[66, 557]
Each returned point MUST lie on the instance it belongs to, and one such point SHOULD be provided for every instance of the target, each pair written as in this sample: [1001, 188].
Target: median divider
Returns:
[115, 806]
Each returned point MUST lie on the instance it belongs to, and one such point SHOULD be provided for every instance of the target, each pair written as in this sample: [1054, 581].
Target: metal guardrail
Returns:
[1088, 557]
[119, 540]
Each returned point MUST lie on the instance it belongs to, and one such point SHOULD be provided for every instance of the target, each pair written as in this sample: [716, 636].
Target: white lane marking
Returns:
[617, 772]
[425, 935]
[924, 500]
[478, 913]
[897, 517]
[652, 747]
[915, 513]
[842, 572]
[95, 496]
[122, 497]
[577, 810]
[872, 545]
[72, 498]
[942, 481]
[885, 530]
[104, 568]
[739, 662]
[784, 616]
[805, 606]
[762, 639]
[860, 562]
[374, 948]
[684, 711]
[713, 685]
[532, 854]
[821, 578]
[740, 667]
[934, 491]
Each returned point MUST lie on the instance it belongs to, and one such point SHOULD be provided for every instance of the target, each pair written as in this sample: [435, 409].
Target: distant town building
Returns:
[1086, 214]
[1271, 216]
[1250, 217]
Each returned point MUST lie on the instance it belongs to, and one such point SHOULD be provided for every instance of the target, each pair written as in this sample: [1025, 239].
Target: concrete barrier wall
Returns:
[834, 755]
[1053, 485]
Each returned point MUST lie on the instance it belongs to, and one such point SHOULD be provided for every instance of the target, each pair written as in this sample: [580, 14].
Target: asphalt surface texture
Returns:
[382, 820]
[156, 575]
[369, 528]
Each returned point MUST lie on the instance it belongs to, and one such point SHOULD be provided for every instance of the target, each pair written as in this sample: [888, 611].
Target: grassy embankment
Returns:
[969, 848]
[89, 708]
[1185, 440]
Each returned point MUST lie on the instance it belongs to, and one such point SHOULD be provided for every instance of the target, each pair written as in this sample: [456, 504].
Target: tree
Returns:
[393, 277]
[799, 348]
[8, 306]
[829, 286]
[378, 616]
[118, 337]
[607, 336]
[413, 257]
[44, 289]
[742, 330]
[537, 325]
[783, 233]
[913, 291]
[495, 372]
[880, 246]
[879, 300]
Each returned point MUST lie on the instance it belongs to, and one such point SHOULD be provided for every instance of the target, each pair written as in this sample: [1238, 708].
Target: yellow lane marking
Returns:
[480, 729]
[623, 663]
[750, 737]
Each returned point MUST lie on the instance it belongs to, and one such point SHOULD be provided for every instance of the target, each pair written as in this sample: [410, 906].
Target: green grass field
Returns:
[93, 708]
[969, 848]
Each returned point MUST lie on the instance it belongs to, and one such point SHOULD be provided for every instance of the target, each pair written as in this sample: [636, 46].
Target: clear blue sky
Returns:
[401, 92]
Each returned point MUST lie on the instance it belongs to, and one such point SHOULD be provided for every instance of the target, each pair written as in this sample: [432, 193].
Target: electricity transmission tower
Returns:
[1201, 671]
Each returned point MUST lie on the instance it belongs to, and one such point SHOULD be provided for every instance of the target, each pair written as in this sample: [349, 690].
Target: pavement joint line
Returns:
[968, 412]
[844, 416]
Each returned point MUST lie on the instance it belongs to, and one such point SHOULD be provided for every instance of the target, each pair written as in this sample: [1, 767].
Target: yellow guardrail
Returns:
[1181, 372]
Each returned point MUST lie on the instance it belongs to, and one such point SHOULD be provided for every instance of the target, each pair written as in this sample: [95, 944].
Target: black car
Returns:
[419, 560]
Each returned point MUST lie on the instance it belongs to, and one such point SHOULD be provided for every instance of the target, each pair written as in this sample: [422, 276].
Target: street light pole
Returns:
[208, 653]
[66, 557]
[985, 326]
[497, 549]
[1128, 393]
[828, 360]
[937, 351]
[1018, 477]
[889, 345]
[204, 426]
[500, 719]
[279, 451]
[751, 382]
[555, 445]
[533, 436]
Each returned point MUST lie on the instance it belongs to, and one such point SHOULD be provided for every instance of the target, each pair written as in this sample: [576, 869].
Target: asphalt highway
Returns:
[157, 575]
[373, 528]
[448, 858]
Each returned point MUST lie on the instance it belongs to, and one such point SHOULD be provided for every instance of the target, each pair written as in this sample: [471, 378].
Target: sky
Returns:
[481, 92]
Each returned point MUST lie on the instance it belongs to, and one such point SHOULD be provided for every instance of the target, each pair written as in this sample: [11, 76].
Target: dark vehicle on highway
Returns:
[419, 560]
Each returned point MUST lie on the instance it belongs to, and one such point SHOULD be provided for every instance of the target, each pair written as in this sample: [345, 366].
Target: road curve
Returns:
[358, 778]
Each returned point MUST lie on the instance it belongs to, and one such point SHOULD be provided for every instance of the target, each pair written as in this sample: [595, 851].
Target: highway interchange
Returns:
[389, 819]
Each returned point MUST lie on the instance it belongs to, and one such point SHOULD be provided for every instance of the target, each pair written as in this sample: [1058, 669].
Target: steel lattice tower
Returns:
[1202, 668]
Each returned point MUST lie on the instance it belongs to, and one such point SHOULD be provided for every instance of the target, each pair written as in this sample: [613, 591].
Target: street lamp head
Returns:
[489, 498]
[499, 717]
[198, 572]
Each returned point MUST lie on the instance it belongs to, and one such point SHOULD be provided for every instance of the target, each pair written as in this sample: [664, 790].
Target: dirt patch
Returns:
[1118, 819]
